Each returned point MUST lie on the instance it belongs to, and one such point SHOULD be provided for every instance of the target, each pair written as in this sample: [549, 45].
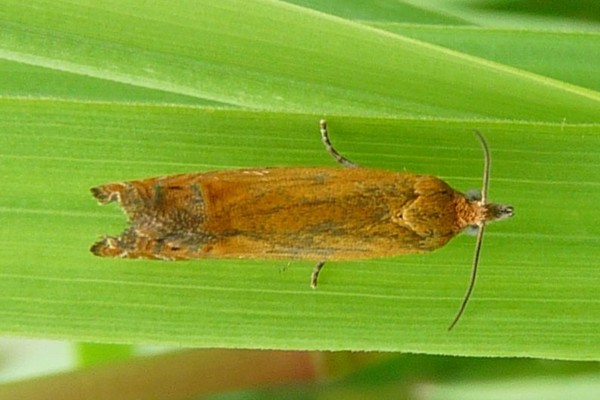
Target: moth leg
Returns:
[331, 150]
[315, 274]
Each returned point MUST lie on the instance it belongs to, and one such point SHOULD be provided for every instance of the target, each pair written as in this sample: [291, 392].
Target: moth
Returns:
[306, 213]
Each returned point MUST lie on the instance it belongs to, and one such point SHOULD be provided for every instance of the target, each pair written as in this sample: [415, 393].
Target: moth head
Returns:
[497, 212]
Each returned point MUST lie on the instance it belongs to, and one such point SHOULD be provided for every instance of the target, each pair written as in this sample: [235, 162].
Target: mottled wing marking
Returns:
[166, 219]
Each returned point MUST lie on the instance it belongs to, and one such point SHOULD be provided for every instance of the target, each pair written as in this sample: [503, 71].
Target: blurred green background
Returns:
[93, 92]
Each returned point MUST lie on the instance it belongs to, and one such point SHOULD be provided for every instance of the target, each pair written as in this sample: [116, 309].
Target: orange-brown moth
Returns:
[321, 214]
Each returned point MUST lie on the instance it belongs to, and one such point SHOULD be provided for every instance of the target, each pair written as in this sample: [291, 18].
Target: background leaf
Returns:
[165, 88]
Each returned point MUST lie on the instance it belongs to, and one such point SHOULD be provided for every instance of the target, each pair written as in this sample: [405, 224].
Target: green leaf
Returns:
[273, 56]
[566, 56]
[158, 90]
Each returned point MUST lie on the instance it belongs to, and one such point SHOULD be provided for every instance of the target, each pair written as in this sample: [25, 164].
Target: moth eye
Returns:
[473, 195]
[471, 230]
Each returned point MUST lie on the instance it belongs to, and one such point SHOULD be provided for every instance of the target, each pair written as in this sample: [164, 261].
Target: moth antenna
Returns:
[467, 295]
[487, 161]
[331, 150]
[479, 240]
